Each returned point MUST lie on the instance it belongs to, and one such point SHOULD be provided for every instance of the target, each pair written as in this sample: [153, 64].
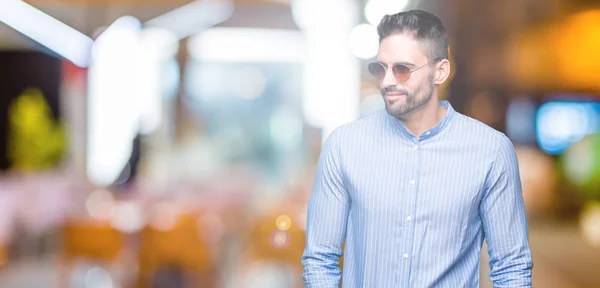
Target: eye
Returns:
[403, 69]
[377, 70]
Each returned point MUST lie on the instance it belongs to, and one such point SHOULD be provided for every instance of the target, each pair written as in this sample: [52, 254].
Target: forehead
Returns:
[400, 48]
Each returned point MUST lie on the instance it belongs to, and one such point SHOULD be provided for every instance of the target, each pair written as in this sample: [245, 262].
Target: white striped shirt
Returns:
[414, 211]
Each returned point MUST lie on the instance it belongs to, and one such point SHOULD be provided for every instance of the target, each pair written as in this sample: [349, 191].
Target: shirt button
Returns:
[427, 133]
[408, 218]
[416, 147]
[412, 182]
[405, 256]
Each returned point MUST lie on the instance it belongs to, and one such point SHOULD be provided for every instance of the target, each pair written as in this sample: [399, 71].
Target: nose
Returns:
[388, 79]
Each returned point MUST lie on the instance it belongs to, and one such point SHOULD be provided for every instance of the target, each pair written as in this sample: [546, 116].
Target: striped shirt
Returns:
[414, 211]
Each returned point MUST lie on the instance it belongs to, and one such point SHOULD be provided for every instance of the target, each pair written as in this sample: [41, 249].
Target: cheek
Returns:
[411, 88]
[423, 86]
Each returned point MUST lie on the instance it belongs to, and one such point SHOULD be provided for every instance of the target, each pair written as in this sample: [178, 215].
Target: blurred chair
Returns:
[174, 253]
[271, 256]
[89, 240]
[271, 244]
[274, 239]
[2, 255]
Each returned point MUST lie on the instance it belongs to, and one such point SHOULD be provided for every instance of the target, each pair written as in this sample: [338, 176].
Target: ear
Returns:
[442, 72]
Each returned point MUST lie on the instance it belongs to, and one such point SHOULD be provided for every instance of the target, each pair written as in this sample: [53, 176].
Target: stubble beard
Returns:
[413, 101]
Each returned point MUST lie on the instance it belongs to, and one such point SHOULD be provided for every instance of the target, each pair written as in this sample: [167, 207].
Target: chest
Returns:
[430, 182]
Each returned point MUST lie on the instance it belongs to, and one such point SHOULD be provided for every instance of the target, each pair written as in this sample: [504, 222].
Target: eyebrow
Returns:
[405, 63]
[408, 64]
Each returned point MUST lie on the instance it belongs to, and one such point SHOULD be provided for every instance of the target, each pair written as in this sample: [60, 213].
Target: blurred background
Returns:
[155, 143]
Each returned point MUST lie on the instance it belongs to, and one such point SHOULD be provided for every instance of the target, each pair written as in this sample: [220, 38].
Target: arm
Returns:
[326, 221]
[504, 221]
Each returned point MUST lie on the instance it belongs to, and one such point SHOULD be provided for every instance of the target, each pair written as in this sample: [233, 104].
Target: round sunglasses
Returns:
[401, 71]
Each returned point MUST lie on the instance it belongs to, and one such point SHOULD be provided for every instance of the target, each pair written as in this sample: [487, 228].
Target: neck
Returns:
[424, 117]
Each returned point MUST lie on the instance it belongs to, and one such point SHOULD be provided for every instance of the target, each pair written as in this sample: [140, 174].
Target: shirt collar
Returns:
[401, 128]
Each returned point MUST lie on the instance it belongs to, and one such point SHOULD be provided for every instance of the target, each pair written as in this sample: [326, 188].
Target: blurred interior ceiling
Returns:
[500, 50]
[87, 16]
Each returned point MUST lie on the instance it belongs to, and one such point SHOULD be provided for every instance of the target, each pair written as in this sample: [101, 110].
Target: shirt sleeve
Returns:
[327, 217]
[504, 221]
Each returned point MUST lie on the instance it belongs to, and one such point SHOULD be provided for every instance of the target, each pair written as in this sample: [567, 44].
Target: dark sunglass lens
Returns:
[377, 70]
[401, 72]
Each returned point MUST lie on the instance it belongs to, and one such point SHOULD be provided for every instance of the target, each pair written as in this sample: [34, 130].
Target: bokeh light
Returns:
[590, 223]
[280, 239]
[128, 217]
[520, 120]
[376, 9]
[98, 278]
[561, 123]
[100, 204]
[364, 41]
[581, 165]
[539, 179]
[283, 222]
[164, 216]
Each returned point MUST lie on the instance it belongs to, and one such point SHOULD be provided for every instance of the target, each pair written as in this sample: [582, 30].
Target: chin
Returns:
[397, 111]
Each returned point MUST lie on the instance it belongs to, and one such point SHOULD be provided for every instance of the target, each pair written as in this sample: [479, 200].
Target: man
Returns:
[414, 189]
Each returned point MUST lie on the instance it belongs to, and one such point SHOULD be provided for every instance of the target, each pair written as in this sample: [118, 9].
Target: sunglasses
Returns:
[401, 71]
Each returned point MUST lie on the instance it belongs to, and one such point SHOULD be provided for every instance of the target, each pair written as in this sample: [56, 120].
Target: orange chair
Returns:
[2, 255]
[97, 241]
[179, 246]
[269, 243]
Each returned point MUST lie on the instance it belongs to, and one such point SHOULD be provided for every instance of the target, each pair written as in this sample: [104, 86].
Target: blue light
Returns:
[520, 121]
[559, 124]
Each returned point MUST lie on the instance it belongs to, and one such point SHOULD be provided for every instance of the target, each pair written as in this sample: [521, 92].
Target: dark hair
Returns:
[425, 27]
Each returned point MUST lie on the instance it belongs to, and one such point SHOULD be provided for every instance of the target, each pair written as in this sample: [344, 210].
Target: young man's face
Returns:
[402, 98]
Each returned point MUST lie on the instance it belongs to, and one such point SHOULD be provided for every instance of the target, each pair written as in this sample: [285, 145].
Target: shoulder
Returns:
[477, 128]
[497, 147]
[359, 128]
[353, 136]
[481, 134]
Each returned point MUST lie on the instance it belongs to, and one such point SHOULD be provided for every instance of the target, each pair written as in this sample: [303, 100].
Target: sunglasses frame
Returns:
[386, 67]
